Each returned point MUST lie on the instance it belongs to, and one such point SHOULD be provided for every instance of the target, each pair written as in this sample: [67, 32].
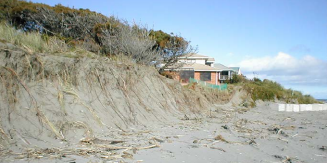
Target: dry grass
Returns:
[212, 95]
[14, 85]
[31, 41]
[69, 89]
[18, 81]
[104, 151]
[10, 87]
[34, 42]
[95, 116]
[3, 136]
[45, 120]
[221, 138]
[78, 124]
[61, 101]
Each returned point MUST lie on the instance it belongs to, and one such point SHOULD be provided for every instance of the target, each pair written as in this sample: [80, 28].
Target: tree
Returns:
[170, 47]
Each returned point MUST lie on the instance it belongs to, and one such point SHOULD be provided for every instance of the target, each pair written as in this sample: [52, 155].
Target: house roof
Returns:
[199, 67]
[211, 60]
[222, 67]
[193, 55]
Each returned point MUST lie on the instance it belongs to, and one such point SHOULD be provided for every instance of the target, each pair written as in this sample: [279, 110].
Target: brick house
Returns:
[200, 67]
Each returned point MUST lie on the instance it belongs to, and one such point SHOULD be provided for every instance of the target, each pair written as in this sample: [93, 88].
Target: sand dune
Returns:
[59, 109]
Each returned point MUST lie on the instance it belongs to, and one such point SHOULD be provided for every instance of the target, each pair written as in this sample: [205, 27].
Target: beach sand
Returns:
[231, 134]
[261, 134]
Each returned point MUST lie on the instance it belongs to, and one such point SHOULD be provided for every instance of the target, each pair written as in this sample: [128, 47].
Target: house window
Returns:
[205, 76]
[186, 75]
[191, 61]
[208, 64]
[224, 73]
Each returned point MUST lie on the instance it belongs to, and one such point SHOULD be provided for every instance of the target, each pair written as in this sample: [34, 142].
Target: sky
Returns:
[281, 40]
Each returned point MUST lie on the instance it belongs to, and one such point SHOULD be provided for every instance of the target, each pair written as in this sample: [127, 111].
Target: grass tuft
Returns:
[30, 41]
[34, 42]
[45, 120]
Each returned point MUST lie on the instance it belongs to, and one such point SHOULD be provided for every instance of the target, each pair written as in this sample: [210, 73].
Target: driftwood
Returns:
[218, 148]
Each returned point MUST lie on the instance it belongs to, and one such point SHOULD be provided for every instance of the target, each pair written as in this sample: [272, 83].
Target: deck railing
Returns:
[224, 77]
[205, 84]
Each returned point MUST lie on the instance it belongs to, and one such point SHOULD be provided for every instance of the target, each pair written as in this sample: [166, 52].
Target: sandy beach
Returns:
[231, 135]
[261, 134]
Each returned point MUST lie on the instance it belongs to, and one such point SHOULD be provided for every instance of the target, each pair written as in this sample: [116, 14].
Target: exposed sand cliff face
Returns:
[53, 101]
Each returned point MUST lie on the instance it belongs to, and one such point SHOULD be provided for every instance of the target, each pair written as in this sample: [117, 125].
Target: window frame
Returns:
[205, 76]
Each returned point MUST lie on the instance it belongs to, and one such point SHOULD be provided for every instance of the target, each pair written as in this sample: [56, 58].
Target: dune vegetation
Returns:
[268, 90]
[75, 33]
[93, 32]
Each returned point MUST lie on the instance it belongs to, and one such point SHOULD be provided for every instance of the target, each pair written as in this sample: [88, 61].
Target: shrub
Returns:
[238, 79]
[268, 90]
[95, 32]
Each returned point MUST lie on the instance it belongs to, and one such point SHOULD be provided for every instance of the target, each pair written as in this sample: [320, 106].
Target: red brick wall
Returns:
[176, 76]
[197, 75]
[213, 77]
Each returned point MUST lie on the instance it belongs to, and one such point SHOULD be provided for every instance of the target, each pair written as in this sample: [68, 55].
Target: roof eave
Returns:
[195, 57]
[209, 70]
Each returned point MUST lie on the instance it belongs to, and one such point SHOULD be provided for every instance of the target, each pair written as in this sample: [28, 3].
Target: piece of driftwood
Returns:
[218, 148]
[148, 147]
[158, 140]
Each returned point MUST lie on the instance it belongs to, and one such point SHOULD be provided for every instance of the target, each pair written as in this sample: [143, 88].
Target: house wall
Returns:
[192, 60]
[175, 76]
[218, 80]
[200, 61]
[211, 64]
[197, 75]
[213, 77]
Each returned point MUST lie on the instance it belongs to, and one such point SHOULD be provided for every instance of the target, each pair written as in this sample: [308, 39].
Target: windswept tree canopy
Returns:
[170, 46]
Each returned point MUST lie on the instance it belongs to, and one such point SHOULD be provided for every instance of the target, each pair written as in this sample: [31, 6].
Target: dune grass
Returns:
[31, 41]
[267, 90]
[34, 42]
